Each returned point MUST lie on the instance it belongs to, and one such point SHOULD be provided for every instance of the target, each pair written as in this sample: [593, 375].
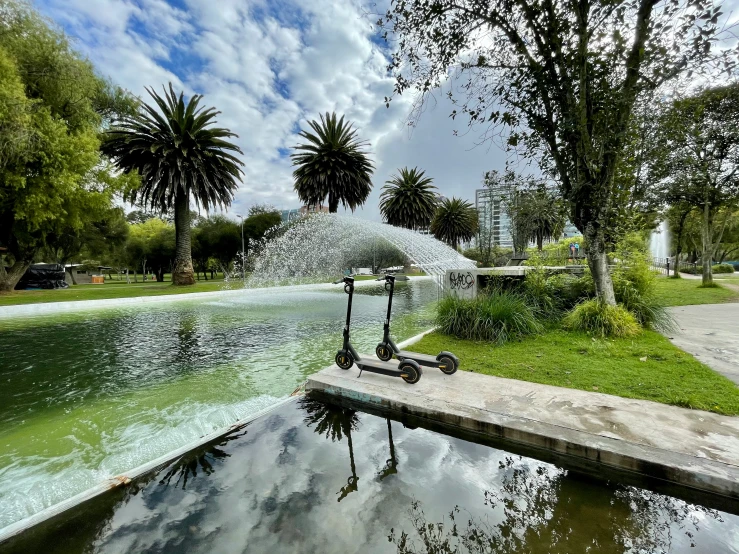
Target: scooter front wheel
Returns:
[447, 364]
[411, 371]
[384, 352]
[344, 360]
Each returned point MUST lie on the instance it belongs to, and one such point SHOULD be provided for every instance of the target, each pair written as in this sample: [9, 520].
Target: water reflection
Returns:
[551, 510]
[273, 486]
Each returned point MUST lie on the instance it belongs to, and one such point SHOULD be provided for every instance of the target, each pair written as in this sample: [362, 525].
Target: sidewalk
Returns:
[686, 447]
[710, 332]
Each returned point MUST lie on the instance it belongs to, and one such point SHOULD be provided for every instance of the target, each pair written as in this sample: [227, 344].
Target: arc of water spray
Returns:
[320, 246]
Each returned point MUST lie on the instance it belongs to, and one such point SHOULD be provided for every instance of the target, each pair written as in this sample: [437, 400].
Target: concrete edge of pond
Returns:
[53, 308]
[125, 478]
[688, 448]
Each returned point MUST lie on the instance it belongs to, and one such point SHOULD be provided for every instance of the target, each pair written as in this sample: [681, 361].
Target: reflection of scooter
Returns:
[352, 484]
[391, 466]
[408, 370]
[445, 361]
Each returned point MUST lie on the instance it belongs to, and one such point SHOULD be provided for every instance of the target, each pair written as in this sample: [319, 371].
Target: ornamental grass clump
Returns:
[602, 320]
[497, 316]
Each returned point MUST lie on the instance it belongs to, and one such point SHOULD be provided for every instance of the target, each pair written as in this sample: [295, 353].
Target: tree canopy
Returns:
[333, 166]
[53, 105]
[408, 199]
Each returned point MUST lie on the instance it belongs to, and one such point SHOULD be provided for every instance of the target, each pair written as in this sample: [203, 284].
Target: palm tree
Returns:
[177, 153]
[408, 199]
[538, 215]
[455, 220]
[332, 164]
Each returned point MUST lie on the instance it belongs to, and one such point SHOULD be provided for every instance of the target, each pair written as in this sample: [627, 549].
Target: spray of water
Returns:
[322, 246]
[659, 241]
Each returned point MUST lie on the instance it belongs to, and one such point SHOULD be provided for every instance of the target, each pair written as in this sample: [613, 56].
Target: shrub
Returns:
[634, 284]
[723, 268]
[497, 315]
[550, 295]
[597, 318]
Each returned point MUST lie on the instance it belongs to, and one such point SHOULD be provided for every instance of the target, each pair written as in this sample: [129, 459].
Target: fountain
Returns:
[659, 242]
[320, 247]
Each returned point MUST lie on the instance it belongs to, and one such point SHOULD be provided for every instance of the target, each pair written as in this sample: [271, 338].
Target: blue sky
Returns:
[268, 67]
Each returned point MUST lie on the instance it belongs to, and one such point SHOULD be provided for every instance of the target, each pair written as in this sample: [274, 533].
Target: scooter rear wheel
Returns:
[447, 365]
[411, 370]
[384, 352]
[343, 360]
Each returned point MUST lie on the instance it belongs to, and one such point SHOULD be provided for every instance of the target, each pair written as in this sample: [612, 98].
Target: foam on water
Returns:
[321, 246]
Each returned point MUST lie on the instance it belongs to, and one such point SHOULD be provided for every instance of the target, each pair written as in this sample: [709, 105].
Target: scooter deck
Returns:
[422, 359]
[374, 365]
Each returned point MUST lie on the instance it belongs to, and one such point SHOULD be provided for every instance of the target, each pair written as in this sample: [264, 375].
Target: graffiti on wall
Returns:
[461, 280]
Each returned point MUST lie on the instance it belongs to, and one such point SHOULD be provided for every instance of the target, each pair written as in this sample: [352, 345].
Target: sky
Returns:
[270, 66]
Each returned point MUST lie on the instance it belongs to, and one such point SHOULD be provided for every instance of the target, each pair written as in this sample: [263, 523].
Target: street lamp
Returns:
[243, 250]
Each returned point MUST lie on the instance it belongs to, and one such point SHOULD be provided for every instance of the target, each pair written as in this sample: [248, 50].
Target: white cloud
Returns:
[268, 68]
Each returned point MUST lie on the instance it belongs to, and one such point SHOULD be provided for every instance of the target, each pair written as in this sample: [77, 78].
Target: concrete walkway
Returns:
[710, 332]
[687, 447]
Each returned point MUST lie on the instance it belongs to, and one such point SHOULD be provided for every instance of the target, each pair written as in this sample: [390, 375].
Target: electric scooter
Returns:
[445, 361]
[408, 370]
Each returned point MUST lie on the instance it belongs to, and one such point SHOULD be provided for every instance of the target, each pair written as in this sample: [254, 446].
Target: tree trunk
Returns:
[333, 203]
[182, 272]
[598, 263]
[707, 244]
[540, 242]
[135, 278]
[71, 275]
[9, 279]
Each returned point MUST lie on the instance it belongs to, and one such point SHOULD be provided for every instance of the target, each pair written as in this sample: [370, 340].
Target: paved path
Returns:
[688, 447]
[710, 332]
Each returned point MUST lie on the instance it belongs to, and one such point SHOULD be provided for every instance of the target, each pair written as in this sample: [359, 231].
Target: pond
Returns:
[90, 395]
[312, 477]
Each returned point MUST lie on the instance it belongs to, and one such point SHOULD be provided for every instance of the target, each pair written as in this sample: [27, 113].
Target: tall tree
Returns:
[178, 153]
[700, 136]
[52, 107]
[332, 165]
[455, 221]
[563, 77]
[408, 199]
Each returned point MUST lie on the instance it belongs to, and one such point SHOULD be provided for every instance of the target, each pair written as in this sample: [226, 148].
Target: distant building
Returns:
[493, 218]
[297, 213]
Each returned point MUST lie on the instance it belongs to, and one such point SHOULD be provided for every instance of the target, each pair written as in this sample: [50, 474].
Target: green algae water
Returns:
[87, 396]
[309, 477]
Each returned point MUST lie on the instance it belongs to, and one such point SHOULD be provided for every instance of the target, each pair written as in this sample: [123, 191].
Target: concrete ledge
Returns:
[688, 448]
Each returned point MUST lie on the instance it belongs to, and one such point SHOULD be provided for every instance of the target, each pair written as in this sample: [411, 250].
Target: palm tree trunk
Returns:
[182, 273]
[333, 203]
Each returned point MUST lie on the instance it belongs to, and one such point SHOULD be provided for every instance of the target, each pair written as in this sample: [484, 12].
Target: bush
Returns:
[497, 315]
[723, 268]
[634, 284]
[597, 318]
[550, 295]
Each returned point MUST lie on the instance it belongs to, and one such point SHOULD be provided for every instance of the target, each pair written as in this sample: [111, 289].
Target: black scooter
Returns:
[445, 361]
[408, 370]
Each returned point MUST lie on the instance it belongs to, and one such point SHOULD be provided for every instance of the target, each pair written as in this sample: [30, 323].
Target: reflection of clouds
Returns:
[275, 490]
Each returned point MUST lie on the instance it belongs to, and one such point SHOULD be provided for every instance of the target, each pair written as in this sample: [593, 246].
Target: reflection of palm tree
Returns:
[334, 422]
[552, 510]
[391, 466]
[203, 458]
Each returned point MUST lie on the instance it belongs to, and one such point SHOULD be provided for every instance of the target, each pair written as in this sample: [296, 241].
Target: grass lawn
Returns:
[683, 292]
[114, 289]
[576, 360]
